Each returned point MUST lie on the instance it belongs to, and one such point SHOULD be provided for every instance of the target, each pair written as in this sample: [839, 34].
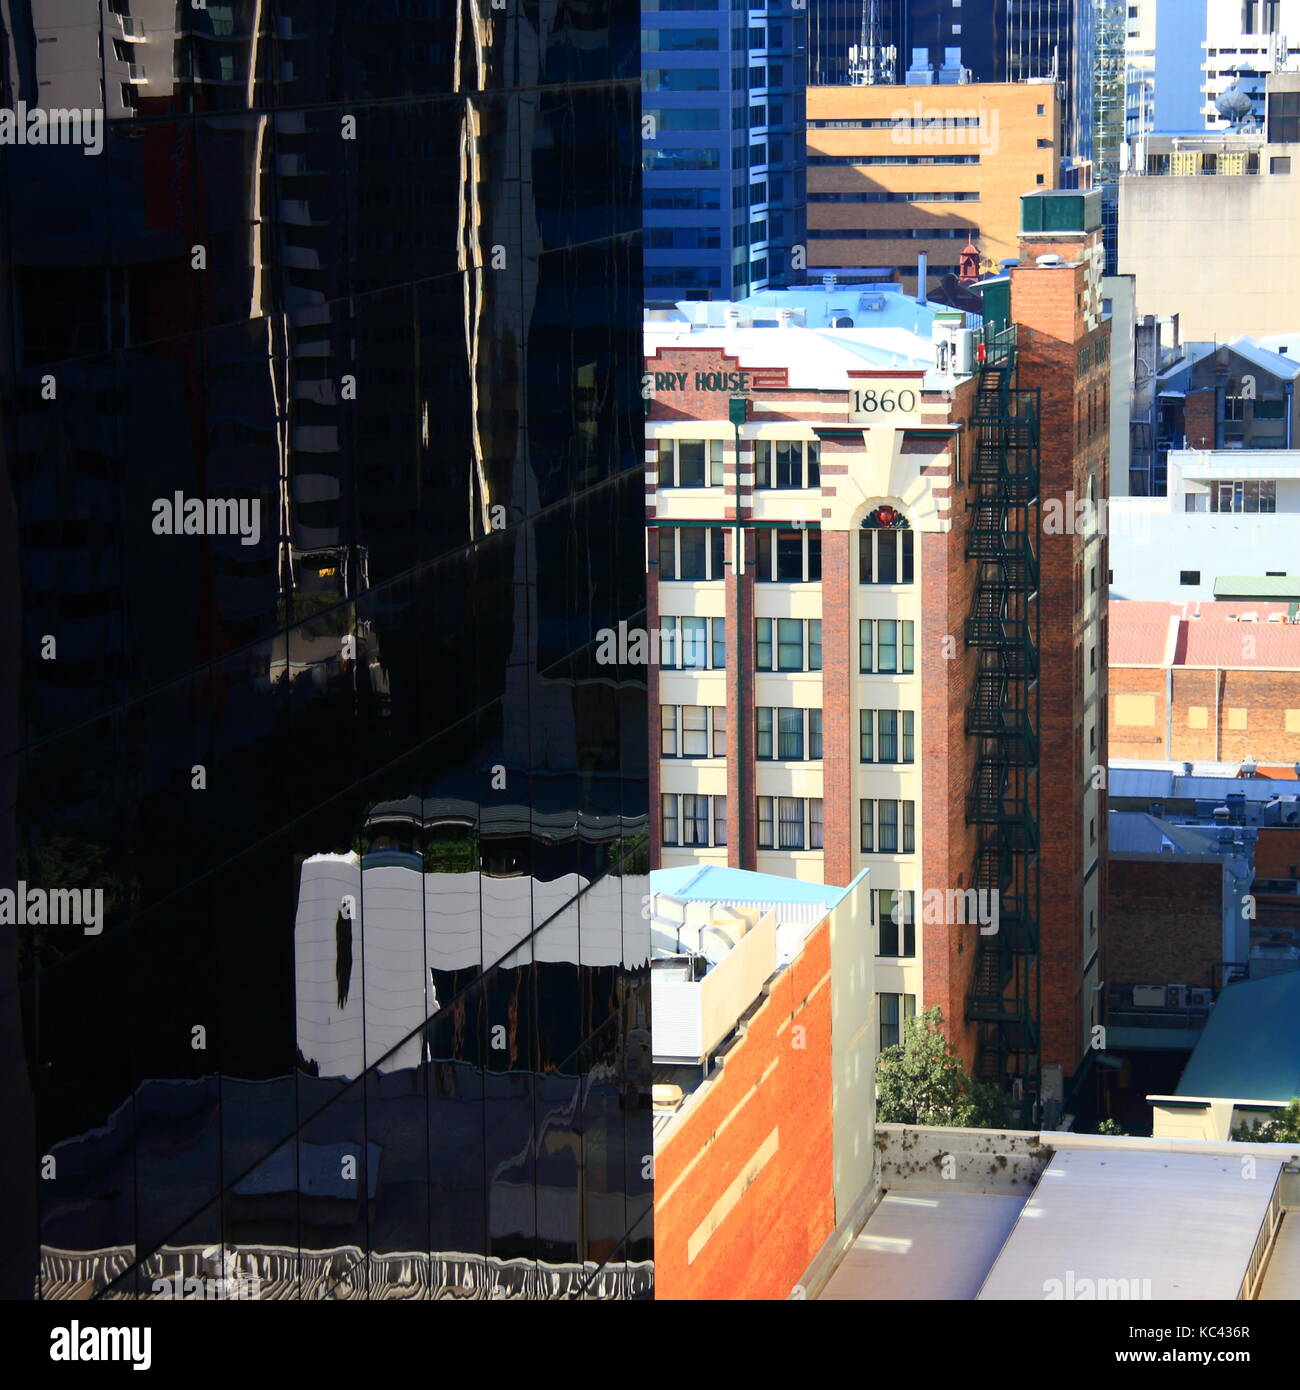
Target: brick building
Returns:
[897, 171]
[901, 673]
[1205, 682]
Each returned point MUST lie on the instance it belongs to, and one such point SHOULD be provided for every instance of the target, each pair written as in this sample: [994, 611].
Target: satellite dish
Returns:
[1234, 105]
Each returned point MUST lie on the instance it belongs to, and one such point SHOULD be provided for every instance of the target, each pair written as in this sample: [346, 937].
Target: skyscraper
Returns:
[321, 825]
[722, 148]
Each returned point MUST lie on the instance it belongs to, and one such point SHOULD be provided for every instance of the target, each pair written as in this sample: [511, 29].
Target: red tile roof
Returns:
[1204, 634]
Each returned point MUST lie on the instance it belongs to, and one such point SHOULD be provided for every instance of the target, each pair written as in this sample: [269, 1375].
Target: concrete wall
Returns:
[1217, 250]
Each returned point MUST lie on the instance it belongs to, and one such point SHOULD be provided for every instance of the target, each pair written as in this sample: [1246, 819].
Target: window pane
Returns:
[695, 820]
[887, 645]
[888, 727]
[909, 827]
[888, 1020]
[668, 730]
[865, 635]
[717, 555]
[715, 462]
[866, 570]
[719, 731]
[695, 731]
[814, 644]
[690, 463]
[763, 550]
[765, 826]
[789, 556]
[909, 741]
[668, 642]
[887, 824]
[719, 820]
[908, 629]
[866, 736]
[888, 926]
[814, 734]
[691, 540]
[905, 538]
[814, 463]
[789, 464]
[764, 644]
[789, 644]
[886, 557]
[670, 820]
[814, 555]
[815, 823]
[762, 463]
[665, 451]
[719, 643]
[790, 734]
[694, 643]
[791, 822]
[868, 821]
[667, 552]
[764, 749]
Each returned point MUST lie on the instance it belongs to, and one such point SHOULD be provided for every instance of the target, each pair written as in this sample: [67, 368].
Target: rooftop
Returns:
[1150, 632]
[1251, 1045]
[714, 884]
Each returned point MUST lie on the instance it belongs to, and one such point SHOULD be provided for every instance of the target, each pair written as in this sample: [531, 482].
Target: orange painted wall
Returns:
[762, 1246]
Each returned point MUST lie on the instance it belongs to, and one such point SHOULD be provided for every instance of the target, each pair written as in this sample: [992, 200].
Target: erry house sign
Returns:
[732, 383]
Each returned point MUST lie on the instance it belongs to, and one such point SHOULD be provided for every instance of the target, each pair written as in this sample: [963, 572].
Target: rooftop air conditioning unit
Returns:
[1199, 997]
[1249, 618]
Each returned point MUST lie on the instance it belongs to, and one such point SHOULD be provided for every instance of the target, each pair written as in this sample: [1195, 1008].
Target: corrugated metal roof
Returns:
[1250, 1049]
[925, 1245]
[1255, 586]
[1150, 1225]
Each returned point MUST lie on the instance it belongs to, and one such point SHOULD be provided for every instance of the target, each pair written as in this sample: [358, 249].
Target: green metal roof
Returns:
[1256, 586]
[1250, 1049]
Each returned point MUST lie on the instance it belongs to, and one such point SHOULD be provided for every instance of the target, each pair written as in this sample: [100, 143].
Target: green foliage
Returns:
[922, 1081]
[1111, 1127]
[1282, 1127]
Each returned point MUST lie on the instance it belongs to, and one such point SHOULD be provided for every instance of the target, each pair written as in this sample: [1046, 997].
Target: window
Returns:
[791, 463]
[690, 462]
[886, 646]
[789, 822]
[1244, 495]
[680, 79]
[789, 556]
[683, 238]
[685, 645]
[885, 557]
[679, 40]
[1189, 576]
[888, 827]
[785, 735]
[683, 118]
[895, 1010]
[1280, 164]
[691, 552]
[693, 821]
[693, 731]
[656, 157]
[795, 644]
[683, 199]
[896, 918]
[886, 736]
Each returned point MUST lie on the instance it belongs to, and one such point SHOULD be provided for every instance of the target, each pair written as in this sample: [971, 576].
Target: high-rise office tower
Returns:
[321, 824]
[722, 148]
[943, 42]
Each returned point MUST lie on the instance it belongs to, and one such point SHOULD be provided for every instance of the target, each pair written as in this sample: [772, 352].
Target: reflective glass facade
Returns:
[321, 827]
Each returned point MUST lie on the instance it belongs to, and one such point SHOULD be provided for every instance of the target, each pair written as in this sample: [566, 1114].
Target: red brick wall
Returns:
[1264, 695]
[1165, 922]
[768, 1083]
[1048, 304]
[1277, 851]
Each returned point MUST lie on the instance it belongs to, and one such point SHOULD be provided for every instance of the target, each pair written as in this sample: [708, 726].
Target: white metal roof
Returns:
[925, 1245]
[1172, 1225]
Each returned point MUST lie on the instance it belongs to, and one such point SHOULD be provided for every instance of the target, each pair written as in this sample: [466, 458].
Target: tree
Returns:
[922, 1081]
[1111, 1127]
[1280, 1128]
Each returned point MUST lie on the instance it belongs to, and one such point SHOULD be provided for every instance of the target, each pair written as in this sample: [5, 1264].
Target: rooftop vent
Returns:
[842, 321]
[1049, 261]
